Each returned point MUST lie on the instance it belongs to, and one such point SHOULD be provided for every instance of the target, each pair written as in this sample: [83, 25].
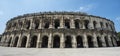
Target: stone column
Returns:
[98, 25]
[38, 41]
[28, 41]
[103, 41]
[19, 41]
[31, 23]
[51, 23]
[50, 41]
[114, 41]
[62, 22]
[95, 40]
[12, 40]
[74, 43]
[62, 41]
[85, 41]
[83, 26]
[91, 23]
[109, 41]
[40, 24]
[72, 24]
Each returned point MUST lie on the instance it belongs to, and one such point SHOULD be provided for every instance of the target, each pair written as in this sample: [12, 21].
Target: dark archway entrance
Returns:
[68, 42]
[67, 23]
[99, 42]
[106, 41]
[15, 42]
[94, 24]
[44, 42]
[77, 25]
[28, 24]
[90, 41]
[9, 41]
[33, 42]
[86, 23]
[46, 26]
[56, 41]
[24, 41]
[57, 23]
[79, 41]
[36, 22]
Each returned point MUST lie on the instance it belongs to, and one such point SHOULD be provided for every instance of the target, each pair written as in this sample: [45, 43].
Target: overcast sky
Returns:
[105, 8]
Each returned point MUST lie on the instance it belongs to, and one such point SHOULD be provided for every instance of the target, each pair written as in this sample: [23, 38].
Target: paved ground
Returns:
[8, 51]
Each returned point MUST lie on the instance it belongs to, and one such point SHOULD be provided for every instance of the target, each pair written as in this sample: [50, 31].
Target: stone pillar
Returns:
[95, 40]
[98, 25]
[38, 41]
[51, 23]
[91, 23]
[40, 24]
[103, 41]
[114, 41]
[83, 26]
[85, 41]
[50, 41]
[72, 24]
[12, 40]
[62, 41]
[74, 43]
[109, 41]
[28, 41]
[31, 23]
[62, 22]
[19, 41]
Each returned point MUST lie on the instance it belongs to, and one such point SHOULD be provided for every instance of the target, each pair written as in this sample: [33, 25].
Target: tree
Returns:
[118, 34]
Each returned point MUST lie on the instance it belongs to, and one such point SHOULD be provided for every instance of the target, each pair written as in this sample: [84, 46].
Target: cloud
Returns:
[117, 18]
[86, 8]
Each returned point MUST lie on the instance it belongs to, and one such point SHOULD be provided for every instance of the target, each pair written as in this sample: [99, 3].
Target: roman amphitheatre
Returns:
[59, 31]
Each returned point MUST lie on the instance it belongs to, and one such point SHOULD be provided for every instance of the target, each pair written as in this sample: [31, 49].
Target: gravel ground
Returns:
[12, 51]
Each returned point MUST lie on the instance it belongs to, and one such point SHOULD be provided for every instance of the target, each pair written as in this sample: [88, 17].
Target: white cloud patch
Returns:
[86, 8]
[117, 18]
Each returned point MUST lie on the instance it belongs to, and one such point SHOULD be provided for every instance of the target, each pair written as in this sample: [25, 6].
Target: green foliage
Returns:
[118, 34]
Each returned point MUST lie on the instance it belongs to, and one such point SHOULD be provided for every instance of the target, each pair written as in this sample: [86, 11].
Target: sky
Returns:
[109, 9]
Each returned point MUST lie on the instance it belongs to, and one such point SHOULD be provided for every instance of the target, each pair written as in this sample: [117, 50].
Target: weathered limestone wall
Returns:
[59, 31]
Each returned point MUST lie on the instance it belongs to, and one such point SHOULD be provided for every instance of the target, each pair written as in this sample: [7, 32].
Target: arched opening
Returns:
[99, 42]
[28, 24]
[106, 41]
[44, 42]
[56, 41]
[79, 41]
[86, 23]
[9, 41]
[67, 23]
[90, 41]
[15, 42]
[77, 25]
[111, 27]
[24, 41]
[106, 25]
[101, 24]
[33, 42]
[36, 24]
[46, 25]
[68, 43]
[57, 23]
[94, 24]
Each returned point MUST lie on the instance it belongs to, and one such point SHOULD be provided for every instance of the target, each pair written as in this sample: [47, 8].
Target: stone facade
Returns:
[59, 30]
